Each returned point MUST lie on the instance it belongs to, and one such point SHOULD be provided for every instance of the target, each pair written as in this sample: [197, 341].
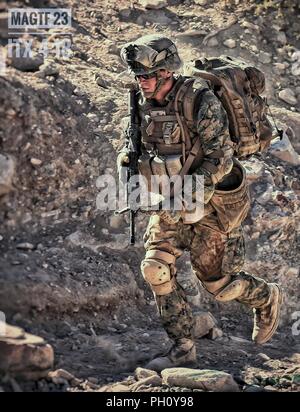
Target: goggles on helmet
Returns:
[144, 57]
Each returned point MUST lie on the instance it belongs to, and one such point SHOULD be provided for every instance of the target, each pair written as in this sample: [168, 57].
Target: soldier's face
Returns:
[148, 84]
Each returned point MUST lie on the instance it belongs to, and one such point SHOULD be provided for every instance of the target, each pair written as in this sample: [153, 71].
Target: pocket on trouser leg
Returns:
[234, 253]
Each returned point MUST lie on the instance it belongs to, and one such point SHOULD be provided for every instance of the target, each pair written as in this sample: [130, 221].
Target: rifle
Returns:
[132, 134]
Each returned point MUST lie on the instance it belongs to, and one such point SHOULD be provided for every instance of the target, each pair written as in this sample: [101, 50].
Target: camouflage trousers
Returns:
[217, 258]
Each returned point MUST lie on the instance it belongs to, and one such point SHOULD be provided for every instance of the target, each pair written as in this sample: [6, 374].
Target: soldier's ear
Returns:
[165, 74]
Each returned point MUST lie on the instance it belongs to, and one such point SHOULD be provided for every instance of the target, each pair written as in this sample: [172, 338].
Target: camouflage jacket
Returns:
[209, 123]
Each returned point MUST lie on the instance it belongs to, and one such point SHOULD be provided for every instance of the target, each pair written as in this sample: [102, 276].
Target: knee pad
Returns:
[215, 286]
[232, 291]
[227, 288]
[156, 271]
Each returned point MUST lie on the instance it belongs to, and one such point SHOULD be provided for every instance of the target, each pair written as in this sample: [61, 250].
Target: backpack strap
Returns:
[184, 109]
[178, 107]
[194, 150]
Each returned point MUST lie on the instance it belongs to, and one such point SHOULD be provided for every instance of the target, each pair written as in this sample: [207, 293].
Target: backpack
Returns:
[238, 86]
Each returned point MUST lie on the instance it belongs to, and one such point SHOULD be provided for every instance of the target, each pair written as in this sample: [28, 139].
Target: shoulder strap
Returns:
[186, 144]
[196, 149]
[186, 139]
[198, 87]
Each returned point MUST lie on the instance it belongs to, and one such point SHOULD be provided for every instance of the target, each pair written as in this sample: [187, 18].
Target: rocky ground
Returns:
[67, 273]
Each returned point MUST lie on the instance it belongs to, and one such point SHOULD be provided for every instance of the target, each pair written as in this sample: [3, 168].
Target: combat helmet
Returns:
[149, 54]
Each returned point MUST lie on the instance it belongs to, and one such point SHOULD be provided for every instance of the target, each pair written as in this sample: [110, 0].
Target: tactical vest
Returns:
[168, 134]
[171, 146]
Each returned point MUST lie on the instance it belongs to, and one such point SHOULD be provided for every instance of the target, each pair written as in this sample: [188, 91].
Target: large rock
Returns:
[203, 323]
[27, 64]
[266, 192]
[61, 376]
[153, 4]
[213, 42]
[7, 171]
[155, 17]
[279, 68]
[286, 118]
[205, 379]
[288, 96]
[281, 38]
[215, 333]
[230, 43]
[295, 69]
[284, 150]
[265, 58]
[153, 380]
[142, 373]
[48, 68]
[24, 355]
[201, 2]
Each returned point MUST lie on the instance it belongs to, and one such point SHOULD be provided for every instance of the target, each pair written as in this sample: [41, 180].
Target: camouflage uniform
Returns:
[217, 254]
[216, 241]
[214, 255]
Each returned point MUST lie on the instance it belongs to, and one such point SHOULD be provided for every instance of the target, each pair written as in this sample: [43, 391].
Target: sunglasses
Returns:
[145, 76]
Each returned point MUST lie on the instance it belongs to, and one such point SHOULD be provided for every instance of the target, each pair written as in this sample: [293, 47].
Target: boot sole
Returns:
[275, 325]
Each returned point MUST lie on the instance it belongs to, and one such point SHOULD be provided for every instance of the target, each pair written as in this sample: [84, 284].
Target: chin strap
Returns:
[160, 82]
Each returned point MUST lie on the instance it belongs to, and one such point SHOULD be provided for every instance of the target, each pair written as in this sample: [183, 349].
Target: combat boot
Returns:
[182, 353]
[266, 317]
